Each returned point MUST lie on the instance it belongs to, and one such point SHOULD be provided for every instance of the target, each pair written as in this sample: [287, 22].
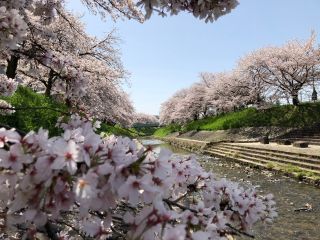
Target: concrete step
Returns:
[244, 153]
[277, 154]
[252, 160]
[220, 154]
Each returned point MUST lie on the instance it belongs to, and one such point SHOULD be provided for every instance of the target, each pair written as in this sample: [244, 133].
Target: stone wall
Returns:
[249, 134]
[187, 144]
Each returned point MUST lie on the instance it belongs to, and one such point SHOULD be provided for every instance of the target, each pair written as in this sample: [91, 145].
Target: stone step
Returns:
[273, 151]
[273, 159]
[219, 154]
[252, 160]
[279, 154]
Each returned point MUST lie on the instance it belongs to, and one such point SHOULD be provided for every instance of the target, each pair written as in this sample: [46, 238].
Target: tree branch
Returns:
[34, 108]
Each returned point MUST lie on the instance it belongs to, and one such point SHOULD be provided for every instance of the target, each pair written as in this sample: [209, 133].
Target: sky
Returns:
[164, 55]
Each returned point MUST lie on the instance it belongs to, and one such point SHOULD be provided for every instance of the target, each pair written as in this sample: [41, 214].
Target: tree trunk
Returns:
[259, 99]
[12, 66]
[68, 103]
[195, 117]
[295, 99]
[49, 84]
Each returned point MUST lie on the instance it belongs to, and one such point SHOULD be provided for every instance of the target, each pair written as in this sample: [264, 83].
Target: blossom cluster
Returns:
[12, 28]
[210, 10]
[7, 85]
[42, 179]
[74, 84]
[6, 108]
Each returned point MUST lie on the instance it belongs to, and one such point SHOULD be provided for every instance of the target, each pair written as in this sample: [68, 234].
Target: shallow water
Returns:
[289, 194]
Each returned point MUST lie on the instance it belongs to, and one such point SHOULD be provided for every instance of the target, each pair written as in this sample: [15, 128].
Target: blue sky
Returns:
[164, 55]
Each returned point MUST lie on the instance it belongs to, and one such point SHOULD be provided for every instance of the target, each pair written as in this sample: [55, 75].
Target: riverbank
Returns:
[246, 134]
[301, 164]
[283, 116]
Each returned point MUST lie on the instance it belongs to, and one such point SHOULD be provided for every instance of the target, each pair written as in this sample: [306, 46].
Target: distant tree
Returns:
[144, 118]
[288, 68]
[194, 103]
[172, 110]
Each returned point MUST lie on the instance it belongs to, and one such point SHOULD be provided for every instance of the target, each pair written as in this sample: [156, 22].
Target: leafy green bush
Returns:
[29, 118]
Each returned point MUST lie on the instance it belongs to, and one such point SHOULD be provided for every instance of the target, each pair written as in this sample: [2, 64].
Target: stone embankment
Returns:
[248, 134]
[187, 144]
[303, 164]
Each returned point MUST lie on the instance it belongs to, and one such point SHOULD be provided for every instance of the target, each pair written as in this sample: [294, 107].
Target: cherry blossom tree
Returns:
[230, 90]
[194, 104]
[288, 68]
[172, 110]
[185, 105]
[69, 64]
[214, 93]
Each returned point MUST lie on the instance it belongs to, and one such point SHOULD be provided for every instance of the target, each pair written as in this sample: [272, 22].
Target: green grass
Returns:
[146, 131]
[283, 116]
[119, 131]
[166, 130]
[32, 119]
[296, 171]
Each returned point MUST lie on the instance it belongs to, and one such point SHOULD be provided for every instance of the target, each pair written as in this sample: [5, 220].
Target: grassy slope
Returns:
[284, 116]
[118, 130]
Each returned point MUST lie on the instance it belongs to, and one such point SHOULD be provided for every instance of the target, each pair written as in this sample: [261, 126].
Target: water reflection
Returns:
[289, 193]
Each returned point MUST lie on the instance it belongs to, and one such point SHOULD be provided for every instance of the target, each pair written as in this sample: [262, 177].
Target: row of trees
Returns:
[143, 118]
[262, 77]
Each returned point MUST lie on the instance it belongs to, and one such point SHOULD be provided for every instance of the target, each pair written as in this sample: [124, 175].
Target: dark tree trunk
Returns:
[259, 99]
[195, 117]
[295, 99]
[68, 103]
[12, 66]
[49, 84]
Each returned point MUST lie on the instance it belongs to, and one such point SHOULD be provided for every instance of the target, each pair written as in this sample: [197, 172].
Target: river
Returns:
[290, 196]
